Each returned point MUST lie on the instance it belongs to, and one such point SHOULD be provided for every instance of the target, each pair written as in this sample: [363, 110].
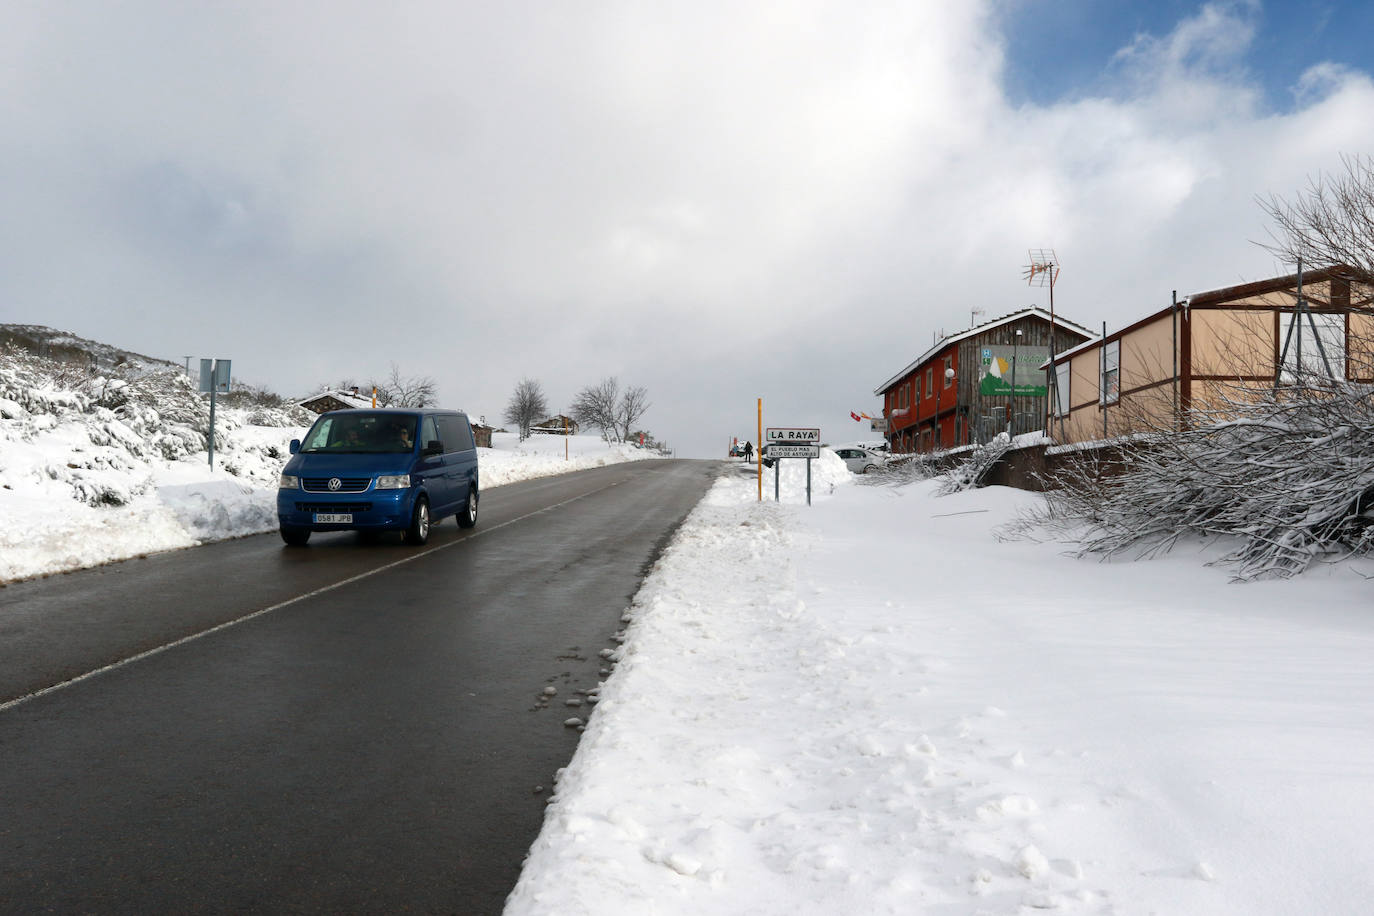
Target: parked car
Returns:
[379, 470]
[861, 460]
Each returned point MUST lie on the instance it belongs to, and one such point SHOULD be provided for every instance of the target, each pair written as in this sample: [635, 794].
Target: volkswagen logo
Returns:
[335, 483]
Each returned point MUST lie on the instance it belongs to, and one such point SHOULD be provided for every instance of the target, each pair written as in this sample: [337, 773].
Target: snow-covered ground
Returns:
[82, 485]
[873, 705]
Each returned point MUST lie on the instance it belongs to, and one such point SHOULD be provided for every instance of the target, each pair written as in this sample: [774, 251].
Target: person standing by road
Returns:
[748, 451]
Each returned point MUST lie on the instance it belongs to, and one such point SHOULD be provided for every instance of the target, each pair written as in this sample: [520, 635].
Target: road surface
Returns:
[346, 727]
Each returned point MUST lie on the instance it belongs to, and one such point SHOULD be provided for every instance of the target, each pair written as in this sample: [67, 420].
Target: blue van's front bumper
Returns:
[371, 509]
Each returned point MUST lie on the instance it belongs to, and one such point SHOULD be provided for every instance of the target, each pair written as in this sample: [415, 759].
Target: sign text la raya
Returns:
[791, 435]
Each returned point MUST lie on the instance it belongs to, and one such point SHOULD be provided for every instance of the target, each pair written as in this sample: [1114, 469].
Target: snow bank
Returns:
[874, 706]
[510, 460]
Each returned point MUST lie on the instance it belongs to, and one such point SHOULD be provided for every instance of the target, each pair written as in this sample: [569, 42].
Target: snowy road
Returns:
[372, 740]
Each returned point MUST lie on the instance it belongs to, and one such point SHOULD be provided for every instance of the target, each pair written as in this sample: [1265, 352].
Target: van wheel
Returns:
[296, 537]
[418, 532]
[467, 516]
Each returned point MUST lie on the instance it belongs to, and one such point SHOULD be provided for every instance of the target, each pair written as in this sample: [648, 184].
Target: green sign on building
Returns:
[997, 364]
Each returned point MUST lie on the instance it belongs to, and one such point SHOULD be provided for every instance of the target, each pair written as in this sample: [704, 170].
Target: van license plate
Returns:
[337, 518]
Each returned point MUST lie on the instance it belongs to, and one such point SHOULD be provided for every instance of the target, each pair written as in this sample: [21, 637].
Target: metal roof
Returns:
[1033, 311]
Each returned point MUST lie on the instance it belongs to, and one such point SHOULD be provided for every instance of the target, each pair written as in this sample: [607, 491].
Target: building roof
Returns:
[343, 397]
[1260, 287]
[1033, 311]
[1213, 297]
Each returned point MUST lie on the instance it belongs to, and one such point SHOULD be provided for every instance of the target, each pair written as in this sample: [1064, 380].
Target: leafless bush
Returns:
[1288, 474]
[969, 474]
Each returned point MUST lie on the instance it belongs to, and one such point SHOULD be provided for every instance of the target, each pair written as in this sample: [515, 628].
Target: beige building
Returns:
[1190, 360]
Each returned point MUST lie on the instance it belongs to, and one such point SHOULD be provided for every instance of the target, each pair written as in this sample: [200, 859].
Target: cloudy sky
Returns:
[719, 201]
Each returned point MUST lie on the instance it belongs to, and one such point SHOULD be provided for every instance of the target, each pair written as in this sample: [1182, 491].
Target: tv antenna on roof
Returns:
[1044, 267]
[1043, 270]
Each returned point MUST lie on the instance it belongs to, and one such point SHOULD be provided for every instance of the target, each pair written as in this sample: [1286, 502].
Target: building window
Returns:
[1111, 372]
[949, 364]
[930, 380]
[1331, 335]
[1061, 388]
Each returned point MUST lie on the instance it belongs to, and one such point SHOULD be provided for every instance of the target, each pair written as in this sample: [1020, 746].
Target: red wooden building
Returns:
[972, 385]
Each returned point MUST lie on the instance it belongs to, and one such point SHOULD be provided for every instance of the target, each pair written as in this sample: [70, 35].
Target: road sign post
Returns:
[798, 446]
[214, 378]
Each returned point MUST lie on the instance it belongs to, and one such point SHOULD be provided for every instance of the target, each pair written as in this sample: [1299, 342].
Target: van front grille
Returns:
[346, 484]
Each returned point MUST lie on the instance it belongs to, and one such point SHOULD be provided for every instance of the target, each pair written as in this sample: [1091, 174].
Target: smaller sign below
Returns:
[790, 435]
[793, 451]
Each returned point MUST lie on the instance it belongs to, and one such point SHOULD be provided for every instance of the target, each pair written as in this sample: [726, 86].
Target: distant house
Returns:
[975, 384]
[1189, 361]
[559, 425]
[339, 399]
[481, 432]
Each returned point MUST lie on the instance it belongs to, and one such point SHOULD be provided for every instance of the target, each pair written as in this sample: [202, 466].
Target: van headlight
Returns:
[393, 482]
[289, 482]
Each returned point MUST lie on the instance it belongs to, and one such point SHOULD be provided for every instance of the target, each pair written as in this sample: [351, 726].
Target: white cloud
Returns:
[695, 196]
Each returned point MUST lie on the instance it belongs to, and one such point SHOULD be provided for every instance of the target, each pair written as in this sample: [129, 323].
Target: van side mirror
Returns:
[295, 446]
[434, 447]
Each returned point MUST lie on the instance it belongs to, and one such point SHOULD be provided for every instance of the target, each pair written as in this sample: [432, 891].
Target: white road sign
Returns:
[793, 451]
[789, 435]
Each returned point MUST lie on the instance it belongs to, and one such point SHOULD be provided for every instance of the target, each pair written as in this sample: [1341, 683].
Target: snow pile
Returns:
[873, 706]
[786, 480]
[82, 484]
[95, 468]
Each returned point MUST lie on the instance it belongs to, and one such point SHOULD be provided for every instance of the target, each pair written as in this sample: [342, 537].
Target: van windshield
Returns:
[361, 433]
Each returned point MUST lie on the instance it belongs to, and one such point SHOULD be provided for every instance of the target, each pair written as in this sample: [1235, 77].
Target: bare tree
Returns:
[595, 405]
[1331, 223]
[527, 406]
[406, 391]
[630, 409]
[604, 406]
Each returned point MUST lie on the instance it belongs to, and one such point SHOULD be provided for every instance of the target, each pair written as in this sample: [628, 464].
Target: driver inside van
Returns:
[350, 439]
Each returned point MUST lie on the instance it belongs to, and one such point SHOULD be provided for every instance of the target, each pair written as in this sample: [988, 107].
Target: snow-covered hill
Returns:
[78, 352]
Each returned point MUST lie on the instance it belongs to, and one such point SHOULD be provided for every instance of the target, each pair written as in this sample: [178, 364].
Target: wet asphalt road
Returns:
[367, 740]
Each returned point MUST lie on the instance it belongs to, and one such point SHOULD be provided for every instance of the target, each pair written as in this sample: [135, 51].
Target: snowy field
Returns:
[82, 486]
[874, 706]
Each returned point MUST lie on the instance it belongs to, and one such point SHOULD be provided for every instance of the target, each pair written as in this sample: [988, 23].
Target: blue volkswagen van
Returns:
[379, 470]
